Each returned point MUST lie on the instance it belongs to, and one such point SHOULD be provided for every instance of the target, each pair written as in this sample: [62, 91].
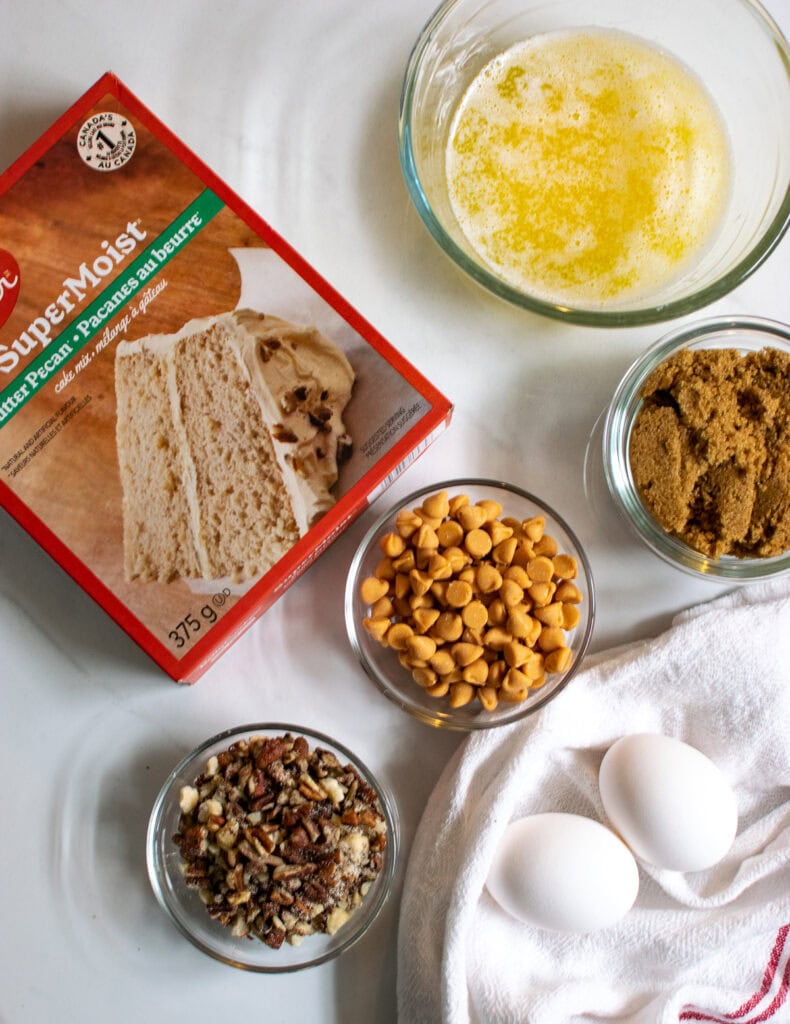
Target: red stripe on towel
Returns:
[695, 1013]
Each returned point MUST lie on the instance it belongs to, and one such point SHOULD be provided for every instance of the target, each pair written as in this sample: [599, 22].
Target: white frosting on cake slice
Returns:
[237, 419]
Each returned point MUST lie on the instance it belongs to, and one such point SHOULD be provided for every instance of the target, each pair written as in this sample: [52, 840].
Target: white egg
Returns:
[668, 801]
[563, 872]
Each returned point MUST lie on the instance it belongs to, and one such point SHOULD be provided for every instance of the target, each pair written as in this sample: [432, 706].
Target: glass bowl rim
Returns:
[441, 719]
[617, 425]
[383, 882]
[586, 317]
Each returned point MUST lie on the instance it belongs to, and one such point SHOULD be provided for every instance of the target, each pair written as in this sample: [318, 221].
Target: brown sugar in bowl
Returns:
[696, 451]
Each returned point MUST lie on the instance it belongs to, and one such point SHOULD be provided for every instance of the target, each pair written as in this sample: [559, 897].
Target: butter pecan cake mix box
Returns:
[189, 414]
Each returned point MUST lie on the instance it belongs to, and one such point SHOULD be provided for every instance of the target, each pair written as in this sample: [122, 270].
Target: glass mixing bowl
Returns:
[382, 664]
[745, 334]
[731, 46]
[184, 905]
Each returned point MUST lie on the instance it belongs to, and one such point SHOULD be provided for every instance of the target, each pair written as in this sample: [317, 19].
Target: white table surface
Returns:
[294, 104]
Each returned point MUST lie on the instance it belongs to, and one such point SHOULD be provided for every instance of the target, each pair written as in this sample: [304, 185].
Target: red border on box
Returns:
[263, 594]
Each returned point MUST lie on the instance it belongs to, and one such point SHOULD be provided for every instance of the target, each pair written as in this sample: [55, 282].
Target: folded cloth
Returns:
[710, 945]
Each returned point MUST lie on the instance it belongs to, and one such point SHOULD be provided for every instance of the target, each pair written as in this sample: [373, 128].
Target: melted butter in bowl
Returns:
[587, 167]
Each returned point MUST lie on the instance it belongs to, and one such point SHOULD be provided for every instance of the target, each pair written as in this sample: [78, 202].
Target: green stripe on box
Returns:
[112, 300]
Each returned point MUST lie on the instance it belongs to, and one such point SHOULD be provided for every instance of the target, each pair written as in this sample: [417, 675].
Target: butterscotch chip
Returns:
[559, 660]
[519, 623]
[458, 593]
[515, 653]
[505, 551]
[551, 638]
[565, 567]
[398, 634]
[568, 593]
[511, 593]
[410, 663]
[571, 616]
[450, 533]
[515, 686]
[519, 574]
[541, 593]
[476, 672]
[424, 618]
[443, 662]
[392, 544]
[498, 532]
[475, 615]
[377, 627]
[461, 694]
[424, 677]
[404, 563]
[372, 588]
[385, 570]
[471, 517]
[487, 695]
[551, 614]
[449, 626]
[491, 507]
[488, 578]
[477, 543]
[439, 567]
[440, 688]
[420, 647]
[465, 653]
[426, 538]
[496, 638]
[497, 612]
[540, 569]
[533, 668]
[546, 547]
[458, 502]
[496, 672]
[419, 581]
[407, 522]
[437, 506]
[534, 528]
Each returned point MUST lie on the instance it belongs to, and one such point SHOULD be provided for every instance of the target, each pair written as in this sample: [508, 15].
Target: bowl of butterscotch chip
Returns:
[470, 604]
[696, 448]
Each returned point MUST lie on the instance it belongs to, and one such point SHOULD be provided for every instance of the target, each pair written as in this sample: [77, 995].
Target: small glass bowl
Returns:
[183, 904]
[732, 46]
[747, 334]
[381, 663]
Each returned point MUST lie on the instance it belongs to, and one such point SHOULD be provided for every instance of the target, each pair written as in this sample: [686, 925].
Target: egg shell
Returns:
[563, 872]
[668, 801]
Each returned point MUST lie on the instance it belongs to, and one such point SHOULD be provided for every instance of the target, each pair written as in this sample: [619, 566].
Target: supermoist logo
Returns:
[106, 141]
[9, 284]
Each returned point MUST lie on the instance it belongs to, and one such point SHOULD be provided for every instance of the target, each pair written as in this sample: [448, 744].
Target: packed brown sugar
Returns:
[710, 450]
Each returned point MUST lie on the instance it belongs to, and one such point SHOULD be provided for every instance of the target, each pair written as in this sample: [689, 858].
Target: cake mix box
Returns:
[189, 414]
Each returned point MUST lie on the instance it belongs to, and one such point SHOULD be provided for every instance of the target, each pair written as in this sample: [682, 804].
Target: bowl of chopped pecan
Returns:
[272, 848]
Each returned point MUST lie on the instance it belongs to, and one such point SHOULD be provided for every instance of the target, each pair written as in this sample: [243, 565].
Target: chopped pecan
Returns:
[281, 841]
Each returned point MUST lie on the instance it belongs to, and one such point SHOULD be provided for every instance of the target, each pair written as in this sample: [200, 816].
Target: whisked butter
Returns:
[587, 168]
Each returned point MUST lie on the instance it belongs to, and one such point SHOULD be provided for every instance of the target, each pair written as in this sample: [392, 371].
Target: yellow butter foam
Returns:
[587, 167]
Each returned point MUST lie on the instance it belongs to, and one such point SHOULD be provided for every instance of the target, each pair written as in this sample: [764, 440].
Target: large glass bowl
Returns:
[186, 909]
[732, 46]
[381, 663]
[746, 334]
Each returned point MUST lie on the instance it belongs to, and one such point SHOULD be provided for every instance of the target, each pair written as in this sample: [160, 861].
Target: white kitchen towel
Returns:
[707, 946]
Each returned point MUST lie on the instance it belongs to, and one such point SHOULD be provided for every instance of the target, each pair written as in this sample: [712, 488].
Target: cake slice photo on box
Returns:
[229, 436]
